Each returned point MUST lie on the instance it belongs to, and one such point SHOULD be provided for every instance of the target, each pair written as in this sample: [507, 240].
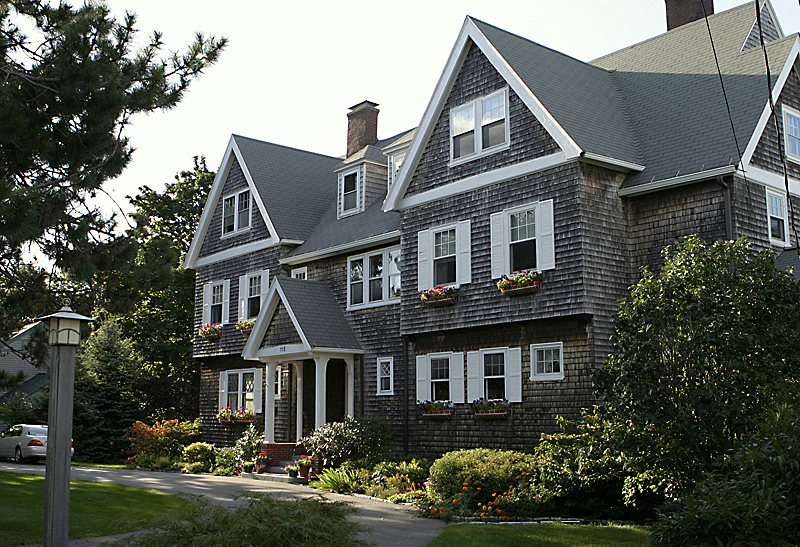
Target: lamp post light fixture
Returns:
[64, 337]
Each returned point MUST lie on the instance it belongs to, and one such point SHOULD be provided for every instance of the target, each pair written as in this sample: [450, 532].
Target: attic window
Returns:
[791, 128]
[236, 213]
[350, 193]
[479, 127]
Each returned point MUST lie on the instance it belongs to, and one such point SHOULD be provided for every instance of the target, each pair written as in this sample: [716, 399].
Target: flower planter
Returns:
[522, 289]
[212, 337]
[244, 420]
[442, 302]
[492, 414]
[246, 332]
[438, 413]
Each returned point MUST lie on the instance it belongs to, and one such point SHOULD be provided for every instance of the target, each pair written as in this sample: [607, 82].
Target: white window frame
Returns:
[381, 361]
[207, 292]
[359, 192]
[244, 292]
[386, 277]
[547, 376]
[788, 137]
[500, 237]
[512, 369]
[300, 273]
[395, 162]
[480, 151]
[425, 255]
[258, 394]
[783, 201]
[456, 373]
[237, 228]
[279, 384]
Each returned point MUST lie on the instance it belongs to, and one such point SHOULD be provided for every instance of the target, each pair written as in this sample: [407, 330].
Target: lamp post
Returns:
[64, 337]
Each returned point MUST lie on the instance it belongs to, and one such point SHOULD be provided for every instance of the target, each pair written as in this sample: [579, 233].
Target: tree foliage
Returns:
[71, 81]
[700, 349]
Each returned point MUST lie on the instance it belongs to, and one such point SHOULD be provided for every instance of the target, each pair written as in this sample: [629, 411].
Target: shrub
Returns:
[336, 480]
[415, 471]
[364, 438]
[753, 498]
[157, 462]
[197, 458]
[162, 439]
[246, 449]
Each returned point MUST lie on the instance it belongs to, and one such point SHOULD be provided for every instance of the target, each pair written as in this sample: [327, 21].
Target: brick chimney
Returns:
[362, 126]
[680, 12]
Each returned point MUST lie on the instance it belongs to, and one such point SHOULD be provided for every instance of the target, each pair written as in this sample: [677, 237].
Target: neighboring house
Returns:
[524, 159]
[12, 363]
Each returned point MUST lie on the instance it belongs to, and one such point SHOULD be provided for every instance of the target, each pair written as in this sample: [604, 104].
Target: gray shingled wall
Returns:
[281, 330]
[767, 153]
[375, 183]
[770, 31]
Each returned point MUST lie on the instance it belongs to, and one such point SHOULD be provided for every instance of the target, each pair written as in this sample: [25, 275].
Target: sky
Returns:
[292, 69]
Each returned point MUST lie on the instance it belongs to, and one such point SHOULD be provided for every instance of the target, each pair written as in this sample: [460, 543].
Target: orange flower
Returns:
[454, 501]
[465, 484]
[464, 488]
[478, 488]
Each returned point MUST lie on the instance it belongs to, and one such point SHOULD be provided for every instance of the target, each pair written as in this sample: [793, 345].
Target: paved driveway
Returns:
[389, 524]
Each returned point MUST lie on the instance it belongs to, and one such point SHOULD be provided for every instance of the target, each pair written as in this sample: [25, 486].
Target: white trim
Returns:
[772, 240]
[244, 292]
[233, 252]
[477, 126]
[336, 249]
[298, 272]
[359, 207]
[606, 160]
[481, 180]
[385, 277]
[785, 112]
[750, 149]
[389, 391]
[674, 182]
[207, 296]
[455, 375]
[258, 393]
[773, 180]
[237, 230]
[755, 24]
[426, 278]
[500, 254]
[545, 377]
[433, 111]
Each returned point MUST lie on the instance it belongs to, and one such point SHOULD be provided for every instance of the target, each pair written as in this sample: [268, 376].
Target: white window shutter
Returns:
[278, 378]
[206, 304]
[223, 389]
[545, 236]
[340, 196]
[242, 297]
[498, 245]
[474, 384]
[464, 250]
[264, 286]
[514, 376]
[457, 377]
[258, 392]
[424, 274]
[423, 386]
[226, 301]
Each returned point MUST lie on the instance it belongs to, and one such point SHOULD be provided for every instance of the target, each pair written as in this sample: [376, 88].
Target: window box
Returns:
[211, 332]
[228, 415]
[438, 413]
[440, 296]
[437, 409]
[246, 327]
[490, 408]
[520, 283]
[492, 414]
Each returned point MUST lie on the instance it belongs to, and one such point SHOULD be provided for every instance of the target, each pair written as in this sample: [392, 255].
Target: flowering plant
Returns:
[479, 405]
[435, 406]
[245, 324]
[227, 414]
[262, 458]
[437, 293]
[210, 330]
[519, 279]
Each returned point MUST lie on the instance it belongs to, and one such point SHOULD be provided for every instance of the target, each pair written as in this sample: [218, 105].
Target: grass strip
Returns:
[540, 535]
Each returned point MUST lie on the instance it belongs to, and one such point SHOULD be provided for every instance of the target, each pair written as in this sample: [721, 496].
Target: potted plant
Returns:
[292, 470]
[304, 465]
[437, 409]
[245, 326]
[211, 332]
[262, 462]
[243, 415]
[519, 283]
[247, 467]
[440, 296]
[225, 415]
[490, 408]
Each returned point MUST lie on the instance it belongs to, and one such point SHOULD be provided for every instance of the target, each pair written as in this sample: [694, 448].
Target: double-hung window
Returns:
[252, 292]
[373, 278]
[236, 213]
[350, 193]
[547, 361]
[776, 217]
[300, 273]
[440, 377]
[444, 256]
[216, 302]
[479, 127]
[522, 238]
[385, 375]
[791, 132]
[495, 373]
[241, 388]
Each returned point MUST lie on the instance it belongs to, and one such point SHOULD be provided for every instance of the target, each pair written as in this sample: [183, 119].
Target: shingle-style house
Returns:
[525, 159]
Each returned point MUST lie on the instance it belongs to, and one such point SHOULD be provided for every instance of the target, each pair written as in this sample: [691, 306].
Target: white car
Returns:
[23, 442]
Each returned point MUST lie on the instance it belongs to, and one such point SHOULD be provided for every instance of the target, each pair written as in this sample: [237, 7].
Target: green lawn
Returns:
[101, 465]
[96, 509]
[541, 535]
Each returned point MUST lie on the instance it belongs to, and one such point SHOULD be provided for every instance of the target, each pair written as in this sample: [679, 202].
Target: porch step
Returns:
[274, 477]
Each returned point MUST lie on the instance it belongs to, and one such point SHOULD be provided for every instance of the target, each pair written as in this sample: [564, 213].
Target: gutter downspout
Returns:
[726, 199]
[405, 394]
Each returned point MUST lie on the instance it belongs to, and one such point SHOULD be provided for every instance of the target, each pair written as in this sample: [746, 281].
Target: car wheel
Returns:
[18, 456]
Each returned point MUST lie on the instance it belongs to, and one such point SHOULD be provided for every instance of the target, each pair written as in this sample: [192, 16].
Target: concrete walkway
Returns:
[390, 525]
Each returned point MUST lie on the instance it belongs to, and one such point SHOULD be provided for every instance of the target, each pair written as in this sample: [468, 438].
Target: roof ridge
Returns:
[236, 136]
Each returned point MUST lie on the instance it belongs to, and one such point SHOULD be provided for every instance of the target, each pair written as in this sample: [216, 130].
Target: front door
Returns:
[336, 391]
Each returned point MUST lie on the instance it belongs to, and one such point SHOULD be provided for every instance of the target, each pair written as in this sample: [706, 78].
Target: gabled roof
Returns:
[282, 180]
[789, 260]
[315, 315]
[674, 99]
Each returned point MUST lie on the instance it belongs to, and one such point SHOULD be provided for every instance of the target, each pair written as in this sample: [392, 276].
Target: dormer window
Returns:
[791, 130]
[479, 127]
[236, 213]
[350, 193]
[395, 162]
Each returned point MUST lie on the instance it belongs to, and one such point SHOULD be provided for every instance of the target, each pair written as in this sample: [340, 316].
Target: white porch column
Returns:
[269, 415]
[350, 379]
[298, 368]
[320, 388]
